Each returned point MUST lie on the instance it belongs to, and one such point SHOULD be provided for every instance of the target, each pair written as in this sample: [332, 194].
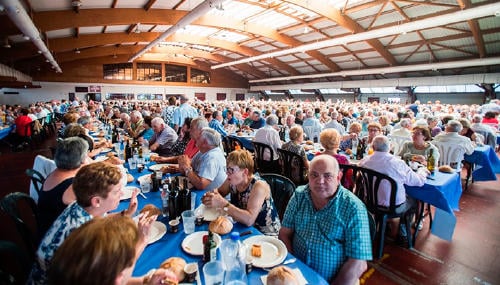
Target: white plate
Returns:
[106, 149]
[100, 158]
[156, 232]
[127, 192]
[159, 166]
[273, 250]
[145, 178]
[193, 243]
[209, 214]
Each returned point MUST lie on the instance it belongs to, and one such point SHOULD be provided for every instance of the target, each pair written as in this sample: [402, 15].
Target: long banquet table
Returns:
[5, 131]
[170, 244]
[443, 191]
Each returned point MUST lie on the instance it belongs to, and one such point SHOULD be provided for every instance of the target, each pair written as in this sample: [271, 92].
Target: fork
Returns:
[288, 261]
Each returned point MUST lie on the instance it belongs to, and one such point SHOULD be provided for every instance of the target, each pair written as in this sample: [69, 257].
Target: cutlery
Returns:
[288, 261]
[143, 196]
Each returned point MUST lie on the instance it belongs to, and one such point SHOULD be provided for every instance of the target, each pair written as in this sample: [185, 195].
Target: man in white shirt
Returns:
[404, 130]
[270, 136]
[334, 124]
[384, 162]
[452, 137]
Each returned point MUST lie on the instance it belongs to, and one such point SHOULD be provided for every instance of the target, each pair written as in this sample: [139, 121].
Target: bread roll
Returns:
[130, 178]
[446, 168]
[309, 142]
[221, 225]
[176, 265]
[151, 209]
[282, 275]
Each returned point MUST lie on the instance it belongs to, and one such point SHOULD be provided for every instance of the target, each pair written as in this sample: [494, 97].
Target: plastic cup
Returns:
[145, 187]
[190, 270]
[188, 218]
[214, 273]
[132, 163]
[174, 225]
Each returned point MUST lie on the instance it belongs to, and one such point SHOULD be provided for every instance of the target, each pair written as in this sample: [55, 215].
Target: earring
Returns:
[98, 205]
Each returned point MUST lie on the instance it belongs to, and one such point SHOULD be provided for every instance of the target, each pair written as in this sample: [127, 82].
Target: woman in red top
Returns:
[490, 118]
[21, 130]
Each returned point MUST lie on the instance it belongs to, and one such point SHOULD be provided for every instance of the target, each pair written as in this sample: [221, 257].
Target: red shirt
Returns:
[191, 149]
[21, 123]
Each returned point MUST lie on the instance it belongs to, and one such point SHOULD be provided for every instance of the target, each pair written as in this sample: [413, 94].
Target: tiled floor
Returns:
[472, 257]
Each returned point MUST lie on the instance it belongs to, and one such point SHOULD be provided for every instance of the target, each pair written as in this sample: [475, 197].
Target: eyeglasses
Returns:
[417, 133]
[327, 176]
[231, 170]
[373, 130]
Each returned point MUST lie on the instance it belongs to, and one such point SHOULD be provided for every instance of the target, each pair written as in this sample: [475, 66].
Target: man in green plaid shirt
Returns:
[326, 226]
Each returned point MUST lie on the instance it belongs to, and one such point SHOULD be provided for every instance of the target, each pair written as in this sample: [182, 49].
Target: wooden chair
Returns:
[292, 166]
[370, 182]
[23, 211]
[282, 190]
[263, 165]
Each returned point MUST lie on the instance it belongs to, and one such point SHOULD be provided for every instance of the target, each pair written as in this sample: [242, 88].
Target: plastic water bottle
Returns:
[233, 253]
[165, 193]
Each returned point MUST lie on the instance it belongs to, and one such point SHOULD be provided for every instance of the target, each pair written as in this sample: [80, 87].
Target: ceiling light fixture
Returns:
[306, 30]
[455, 17]
[196, 13]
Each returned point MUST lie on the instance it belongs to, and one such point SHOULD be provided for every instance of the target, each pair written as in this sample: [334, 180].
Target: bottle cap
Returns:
[235, 235]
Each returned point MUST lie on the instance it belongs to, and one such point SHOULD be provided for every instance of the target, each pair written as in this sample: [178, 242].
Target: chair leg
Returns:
[420, 216]
[430, 215]
[408, 219]
[382, 223]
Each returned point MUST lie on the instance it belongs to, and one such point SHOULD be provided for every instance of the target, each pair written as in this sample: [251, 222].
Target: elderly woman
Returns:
[57, 191]
[467, 131]
[147, 130]
[385, 124]
[330, 140]
[418, 149]
[108, 243]
[374, 129]
[353, 134]
[251, 200]
[97, 187]
[295, 145]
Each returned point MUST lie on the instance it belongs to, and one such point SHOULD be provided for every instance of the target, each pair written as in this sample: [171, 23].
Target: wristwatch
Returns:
[189, 169]
[226, 207]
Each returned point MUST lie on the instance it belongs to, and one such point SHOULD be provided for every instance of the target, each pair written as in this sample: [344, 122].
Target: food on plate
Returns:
[239, 133]
[308, 147]
[176, 265]
[170, 169]
[348, 151]
[151, 209]
[309, 142]
[130, 178]
[256, 250]
[446, 168]
[221, 225]
[282, 275]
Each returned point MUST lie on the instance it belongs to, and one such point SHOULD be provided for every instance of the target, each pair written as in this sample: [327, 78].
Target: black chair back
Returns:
[15, 264]
[370, 184]
[349, 174]
[36, 178]
[292, 166]
[23, 211]
[263, 165]
[282, 190]
[233, 143]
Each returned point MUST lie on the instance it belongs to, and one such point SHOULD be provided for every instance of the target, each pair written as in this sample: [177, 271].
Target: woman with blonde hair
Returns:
[251, 200]
[353, 134]
[109, 243]
[295, 144]
[330, 140]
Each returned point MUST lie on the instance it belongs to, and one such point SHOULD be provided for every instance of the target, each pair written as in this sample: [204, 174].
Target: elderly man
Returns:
[326, 226]
[257, 121]
[384, 162]
[404, 130]
[334, 124]
[451, 136]
[185, 110]
[136, 124]
[163, 138]
[216, 123]
[207, 169]
[270, 136]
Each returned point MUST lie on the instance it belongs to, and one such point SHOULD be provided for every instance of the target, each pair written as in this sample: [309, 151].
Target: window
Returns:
[199, 76]
[120, 71]
[149, 71]
[149, 96]
[119, 96]
[221, 96]
[175, 73]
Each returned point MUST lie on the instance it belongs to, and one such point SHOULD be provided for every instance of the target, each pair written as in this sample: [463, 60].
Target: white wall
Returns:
[58, 91]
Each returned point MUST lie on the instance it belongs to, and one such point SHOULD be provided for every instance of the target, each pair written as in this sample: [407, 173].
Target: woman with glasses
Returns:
[418, 148]
[251, 200]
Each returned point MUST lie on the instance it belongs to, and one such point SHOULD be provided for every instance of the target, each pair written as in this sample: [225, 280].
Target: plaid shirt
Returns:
[325, 239]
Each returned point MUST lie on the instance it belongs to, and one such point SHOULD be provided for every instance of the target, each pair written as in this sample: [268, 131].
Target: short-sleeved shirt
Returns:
[216, 125]
[165, 139]
[324, 239]
[70, 219]
[181, 113]
[211, 165]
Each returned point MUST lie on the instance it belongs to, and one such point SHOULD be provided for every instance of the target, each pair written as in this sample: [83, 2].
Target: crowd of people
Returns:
[325, 225]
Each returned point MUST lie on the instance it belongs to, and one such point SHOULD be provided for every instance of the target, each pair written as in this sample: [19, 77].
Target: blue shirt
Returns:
[216, 125]
[258, 124]
[180, 114]
[211, 165]
[70, 219]
[325, 239]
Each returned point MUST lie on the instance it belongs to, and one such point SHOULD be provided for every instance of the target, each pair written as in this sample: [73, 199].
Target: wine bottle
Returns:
[431, 162]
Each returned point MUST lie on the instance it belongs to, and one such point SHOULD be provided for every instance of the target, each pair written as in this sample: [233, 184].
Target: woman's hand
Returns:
[213, 200]
[132, 207]
[144, 225]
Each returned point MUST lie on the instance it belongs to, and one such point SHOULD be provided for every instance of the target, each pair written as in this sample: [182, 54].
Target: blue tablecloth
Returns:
[170, 244]
[443, 191]
[5, 132]
[486, 163]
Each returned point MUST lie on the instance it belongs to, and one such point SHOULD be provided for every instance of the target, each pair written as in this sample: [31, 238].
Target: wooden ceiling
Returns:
[110, 30]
